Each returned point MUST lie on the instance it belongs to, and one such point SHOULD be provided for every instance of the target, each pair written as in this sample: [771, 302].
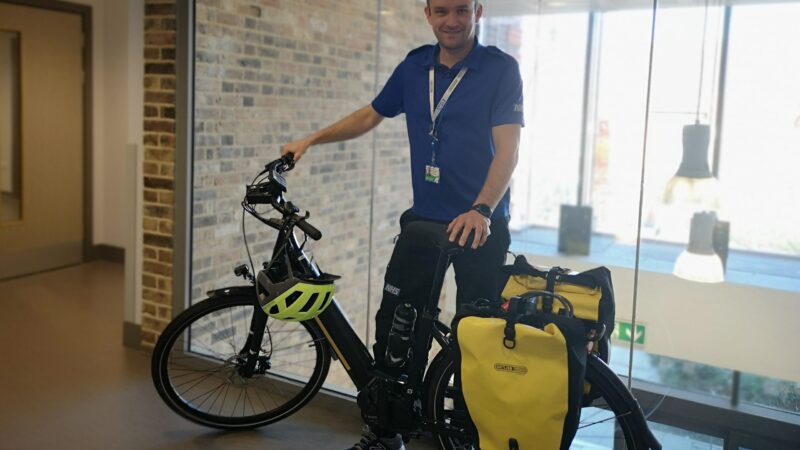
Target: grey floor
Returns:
[68, 383]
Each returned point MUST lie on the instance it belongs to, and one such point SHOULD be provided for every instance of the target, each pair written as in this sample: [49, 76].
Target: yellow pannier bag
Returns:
[590, 292]
[521, 378]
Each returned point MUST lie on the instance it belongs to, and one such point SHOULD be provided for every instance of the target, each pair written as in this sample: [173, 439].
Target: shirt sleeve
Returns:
[507, 105]
[389, 102]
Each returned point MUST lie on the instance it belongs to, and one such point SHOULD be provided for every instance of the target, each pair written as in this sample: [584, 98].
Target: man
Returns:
[463, 107]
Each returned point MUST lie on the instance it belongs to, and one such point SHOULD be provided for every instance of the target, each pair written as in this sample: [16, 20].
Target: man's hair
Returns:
[474, 3]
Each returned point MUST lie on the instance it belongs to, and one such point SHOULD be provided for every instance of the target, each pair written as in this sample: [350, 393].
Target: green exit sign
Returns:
[623, 332]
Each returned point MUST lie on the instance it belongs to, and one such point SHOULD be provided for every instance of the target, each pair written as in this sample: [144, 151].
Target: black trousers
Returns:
[409, 277]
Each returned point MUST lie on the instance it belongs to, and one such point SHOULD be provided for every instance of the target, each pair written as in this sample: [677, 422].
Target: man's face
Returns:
[453, 21]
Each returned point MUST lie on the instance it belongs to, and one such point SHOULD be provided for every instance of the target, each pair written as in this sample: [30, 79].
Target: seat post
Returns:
[425, 322]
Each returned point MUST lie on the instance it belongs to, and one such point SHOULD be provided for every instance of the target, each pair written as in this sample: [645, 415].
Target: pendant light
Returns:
[693, 186]
[699, 262]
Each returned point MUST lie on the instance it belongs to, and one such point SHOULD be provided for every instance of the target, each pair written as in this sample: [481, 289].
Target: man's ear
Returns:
[428, 14]
[478, 12]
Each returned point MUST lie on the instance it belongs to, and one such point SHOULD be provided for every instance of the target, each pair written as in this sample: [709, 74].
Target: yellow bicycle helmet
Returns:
[295, 299]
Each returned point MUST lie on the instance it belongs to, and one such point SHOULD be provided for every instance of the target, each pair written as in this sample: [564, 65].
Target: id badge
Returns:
[432, 174]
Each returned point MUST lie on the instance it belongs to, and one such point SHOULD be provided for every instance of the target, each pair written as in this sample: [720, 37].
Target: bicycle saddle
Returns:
[426, 233]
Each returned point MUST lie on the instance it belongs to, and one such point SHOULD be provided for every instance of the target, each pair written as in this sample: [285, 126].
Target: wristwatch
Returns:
[483, 209]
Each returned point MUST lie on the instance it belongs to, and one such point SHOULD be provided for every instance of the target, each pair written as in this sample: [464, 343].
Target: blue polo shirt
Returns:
[490, 94]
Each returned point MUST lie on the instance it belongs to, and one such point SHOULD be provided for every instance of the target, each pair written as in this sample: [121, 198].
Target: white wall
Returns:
[117, 104]
[117, 67]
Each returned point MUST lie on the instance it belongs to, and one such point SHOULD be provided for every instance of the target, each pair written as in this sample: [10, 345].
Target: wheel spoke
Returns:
[200, 365]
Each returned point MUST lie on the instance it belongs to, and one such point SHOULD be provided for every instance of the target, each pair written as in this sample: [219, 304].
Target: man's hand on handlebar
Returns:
[298, 148]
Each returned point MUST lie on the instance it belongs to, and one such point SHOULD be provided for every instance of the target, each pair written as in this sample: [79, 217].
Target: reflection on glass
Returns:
[778, 394]
[10, 167]
[671, 437]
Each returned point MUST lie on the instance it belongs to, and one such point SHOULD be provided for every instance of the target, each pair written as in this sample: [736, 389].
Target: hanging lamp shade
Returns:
[693, 186]
[699, 262]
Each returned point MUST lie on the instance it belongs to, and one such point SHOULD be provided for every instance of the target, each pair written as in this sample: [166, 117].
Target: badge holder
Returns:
[432, 173]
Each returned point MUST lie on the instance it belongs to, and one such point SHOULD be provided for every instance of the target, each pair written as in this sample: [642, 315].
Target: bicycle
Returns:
[224, 363]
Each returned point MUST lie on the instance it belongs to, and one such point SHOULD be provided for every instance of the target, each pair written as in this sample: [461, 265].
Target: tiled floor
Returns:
[67, 382]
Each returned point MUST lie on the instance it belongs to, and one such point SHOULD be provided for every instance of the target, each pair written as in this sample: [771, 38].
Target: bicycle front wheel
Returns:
[196, 365]
[614, 420]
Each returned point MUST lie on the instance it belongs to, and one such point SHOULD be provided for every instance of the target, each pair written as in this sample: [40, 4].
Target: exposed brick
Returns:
[161, 212]
[159, 154]
[150, 224]
[166, 140]
[149, 308]
[157, 268]
[159, 97]
[150, 252]
[158, 183]
[165, 284]
[150, 139]
[166, 198]
[150, 168]
[150, 196]
[158, 240]
[159, 68]
[165, 256]
[164, 126]
[167, 83]
[151, 53]
[165, 226]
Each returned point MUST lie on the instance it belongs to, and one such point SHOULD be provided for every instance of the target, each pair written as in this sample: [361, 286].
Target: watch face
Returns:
[483, 209]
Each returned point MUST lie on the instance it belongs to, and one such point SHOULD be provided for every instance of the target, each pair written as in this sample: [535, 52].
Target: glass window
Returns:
[551, 49]
[773, 393]
[761, 129]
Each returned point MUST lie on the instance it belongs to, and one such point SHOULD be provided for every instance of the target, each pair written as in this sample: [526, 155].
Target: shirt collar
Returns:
[473, 59]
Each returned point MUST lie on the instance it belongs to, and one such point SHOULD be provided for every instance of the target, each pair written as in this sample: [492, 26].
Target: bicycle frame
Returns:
[347, 346]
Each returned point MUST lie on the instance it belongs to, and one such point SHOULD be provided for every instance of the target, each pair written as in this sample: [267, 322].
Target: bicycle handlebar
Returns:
[309, 229]
[271, 192]
[283, 164]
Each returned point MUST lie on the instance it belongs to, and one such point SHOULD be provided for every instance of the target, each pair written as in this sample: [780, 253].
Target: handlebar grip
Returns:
[309, 229]
[283, 164]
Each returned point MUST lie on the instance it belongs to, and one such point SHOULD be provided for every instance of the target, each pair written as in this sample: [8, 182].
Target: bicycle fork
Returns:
[252, 346]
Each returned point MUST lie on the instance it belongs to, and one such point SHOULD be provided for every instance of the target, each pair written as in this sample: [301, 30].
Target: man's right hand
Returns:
[297, 148]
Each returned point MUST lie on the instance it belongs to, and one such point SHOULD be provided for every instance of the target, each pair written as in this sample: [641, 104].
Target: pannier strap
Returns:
[553, 275]
[509, 333]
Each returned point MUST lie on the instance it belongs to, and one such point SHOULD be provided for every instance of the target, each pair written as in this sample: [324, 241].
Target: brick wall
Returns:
[268, 72]
[159, 161]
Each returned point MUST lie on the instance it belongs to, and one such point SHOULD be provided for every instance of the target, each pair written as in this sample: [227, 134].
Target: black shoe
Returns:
[369, 441]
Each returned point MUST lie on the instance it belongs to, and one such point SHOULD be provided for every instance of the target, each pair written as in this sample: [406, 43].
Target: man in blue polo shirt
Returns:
[463, 107]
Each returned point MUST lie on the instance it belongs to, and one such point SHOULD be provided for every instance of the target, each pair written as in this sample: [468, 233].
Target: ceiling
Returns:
[498, 8]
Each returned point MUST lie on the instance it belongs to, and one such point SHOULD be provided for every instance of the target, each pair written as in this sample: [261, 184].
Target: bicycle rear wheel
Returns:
[610, 421]
[196, 361]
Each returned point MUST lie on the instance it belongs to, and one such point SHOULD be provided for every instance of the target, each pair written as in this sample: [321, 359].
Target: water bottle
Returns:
[399, 346]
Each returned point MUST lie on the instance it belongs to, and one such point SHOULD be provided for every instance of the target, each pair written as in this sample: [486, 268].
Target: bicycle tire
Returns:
[626, 411]
[210, 365]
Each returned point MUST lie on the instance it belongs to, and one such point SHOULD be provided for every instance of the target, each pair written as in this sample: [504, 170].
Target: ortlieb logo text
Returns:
[510, 368]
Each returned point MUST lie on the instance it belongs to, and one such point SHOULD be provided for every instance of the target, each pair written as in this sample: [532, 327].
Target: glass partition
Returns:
[640, 155]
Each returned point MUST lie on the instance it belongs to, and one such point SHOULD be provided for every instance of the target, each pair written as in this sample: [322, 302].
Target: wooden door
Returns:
[46, 230]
